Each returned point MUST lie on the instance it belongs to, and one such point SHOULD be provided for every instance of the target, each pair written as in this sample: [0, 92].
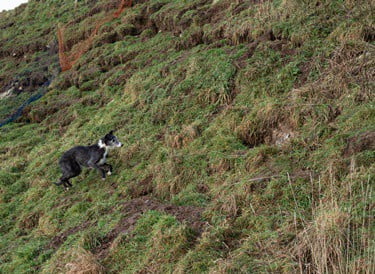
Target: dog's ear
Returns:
[111, 132]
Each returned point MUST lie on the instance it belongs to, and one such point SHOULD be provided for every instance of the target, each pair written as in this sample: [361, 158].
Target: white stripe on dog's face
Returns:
[101, 144]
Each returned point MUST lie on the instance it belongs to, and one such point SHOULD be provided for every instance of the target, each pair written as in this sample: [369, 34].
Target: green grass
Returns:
[249, 126]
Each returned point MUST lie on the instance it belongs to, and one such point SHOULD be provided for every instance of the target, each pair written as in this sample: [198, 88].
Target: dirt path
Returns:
[132, 211]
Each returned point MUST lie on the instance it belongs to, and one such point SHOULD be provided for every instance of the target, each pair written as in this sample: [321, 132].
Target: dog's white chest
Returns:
[104, 158]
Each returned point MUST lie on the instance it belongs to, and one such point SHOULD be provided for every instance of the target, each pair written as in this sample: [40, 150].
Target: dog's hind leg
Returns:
[58, 183]
[69, 170]
[64, 182]
[67, 183]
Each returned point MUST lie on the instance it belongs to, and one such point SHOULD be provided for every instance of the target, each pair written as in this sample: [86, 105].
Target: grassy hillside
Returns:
[249, 132]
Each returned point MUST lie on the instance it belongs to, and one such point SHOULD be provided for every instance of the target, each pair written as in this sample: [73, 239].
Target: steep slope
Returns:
[249, 132]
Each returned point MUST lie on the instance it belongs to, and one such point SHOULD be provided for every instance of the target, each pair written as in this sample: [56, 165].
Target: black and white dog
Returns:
[95, 156]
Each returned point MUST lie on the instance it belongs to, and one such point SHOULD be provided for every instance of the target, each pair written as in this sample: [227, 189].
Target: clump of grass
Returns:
[324, 240]
[82, 261]
[187, 135]
[337, 239]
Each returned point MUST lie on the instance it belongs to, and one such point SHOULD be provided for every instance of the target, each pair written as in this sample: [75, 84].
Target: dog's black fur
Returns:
[72, 161]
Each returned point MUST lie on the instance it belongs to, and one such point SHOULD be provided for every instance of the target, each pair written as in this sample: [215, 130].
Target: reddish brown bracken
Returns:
[67, 61]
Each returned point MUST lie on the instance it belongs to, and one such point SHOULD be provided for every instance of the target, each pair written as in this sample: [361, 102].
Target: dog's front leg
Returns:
[99, 168]
[108, 168]
[102, 171]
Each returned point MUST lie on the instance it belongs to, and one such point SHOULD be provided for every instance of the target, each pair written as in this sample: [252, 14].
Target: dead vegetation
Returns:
[348, 66]
[320, 244]
[83, 262]
[67, 60]
[142, 188]
[187, 135]
[329, 243]
[269, 126]
[30, 222]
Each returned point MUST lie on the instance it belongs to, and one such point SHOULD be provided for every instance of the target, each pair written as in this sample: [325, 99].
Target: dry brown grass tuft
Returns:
[271, 125]
[171, 177]
[221, 166]
[246, 31]
[186, 136]
[337, 239]
[210, 96]
[84, 262]
[321, 243]
[46, 226]
[29, 221]
[350, 65]
[130, 152]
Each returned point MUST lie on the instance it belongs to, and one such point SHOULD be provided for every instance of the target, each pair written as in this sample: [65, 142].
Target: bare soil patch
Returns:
[58, 240]
[359, 143]
[142, 188]
[134, 209]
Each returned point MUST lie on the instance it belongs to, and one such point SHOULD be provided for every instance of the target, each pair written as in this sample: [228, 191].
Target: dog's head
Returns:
[110, 141]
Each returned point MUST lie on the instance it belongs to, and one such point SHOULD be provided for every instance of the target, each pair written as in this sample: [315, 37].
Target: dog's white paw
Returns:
[103, 179]
[109, 173]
